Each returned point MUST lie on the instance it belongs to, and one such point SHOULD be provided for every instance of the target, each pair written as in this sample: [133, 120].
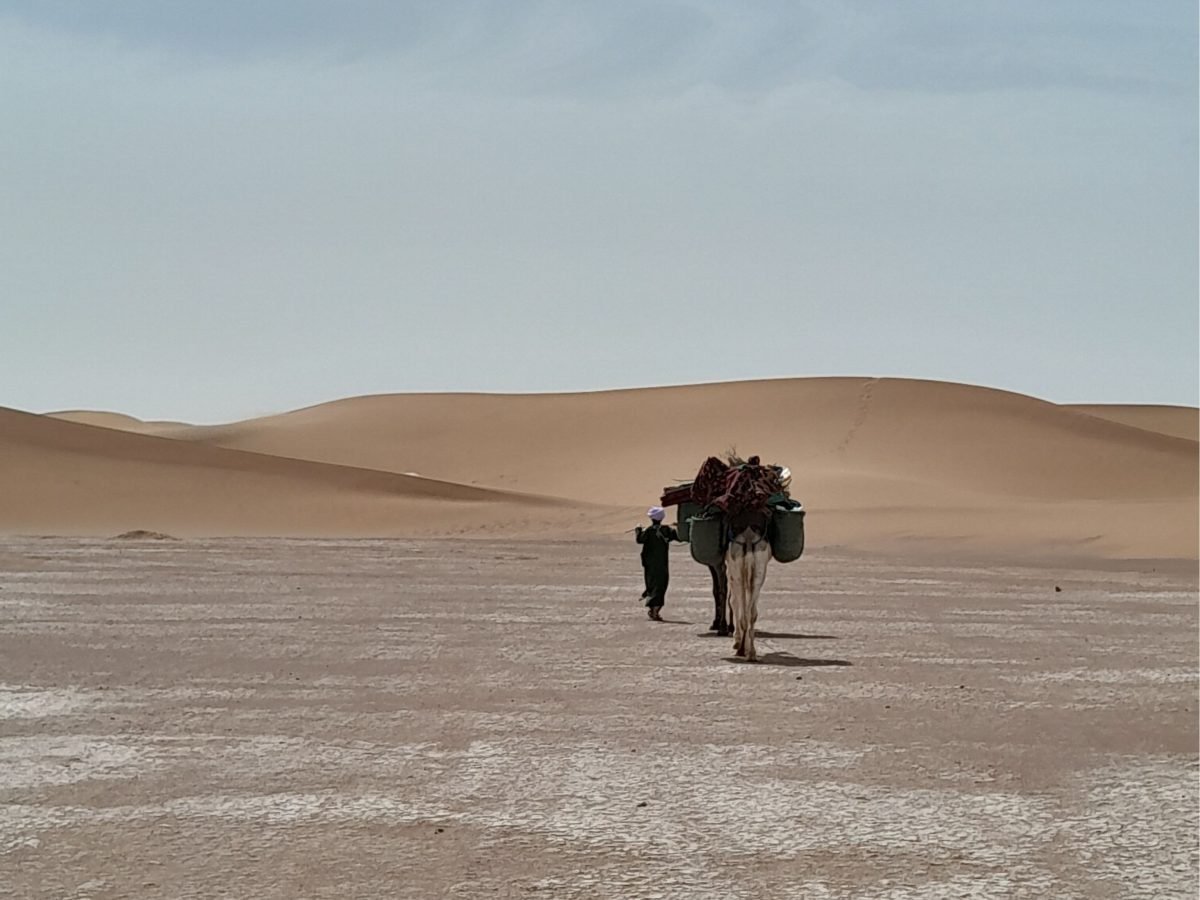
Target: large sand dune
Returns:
[1177, 421]
[892, 462]
[118, 421]
[68, 478]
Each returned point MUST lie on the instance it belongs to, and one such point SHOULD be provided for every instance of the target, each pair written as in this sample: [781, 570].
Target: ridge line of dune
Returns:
[956, 464]
[260, 463]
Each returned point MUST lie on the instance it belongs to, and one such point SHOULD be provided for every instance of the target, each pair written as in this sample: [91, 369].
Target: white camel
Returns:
[740, 490]
[746, 561]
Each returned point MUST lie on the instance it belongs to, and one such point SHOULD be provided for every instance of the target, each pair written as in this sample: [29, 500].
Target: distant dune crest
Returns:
[1176, 421]
[882, 463]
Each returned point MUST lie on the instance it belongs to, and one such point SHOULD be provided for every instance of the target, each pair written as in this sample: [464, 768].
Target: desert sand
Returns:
[888, 465]
[392, 646]
[282, 718]
[1177, 421]
[72, 479]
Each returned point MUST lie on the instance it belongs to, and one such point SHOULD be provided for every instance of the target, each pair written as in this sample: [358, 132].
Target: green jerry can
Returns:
[787, 534]
[683, 523]
[705, 535]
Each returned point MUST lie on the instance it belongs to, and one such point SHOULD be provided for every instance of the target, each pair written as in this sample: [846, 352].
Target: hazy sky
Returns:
[212, 210]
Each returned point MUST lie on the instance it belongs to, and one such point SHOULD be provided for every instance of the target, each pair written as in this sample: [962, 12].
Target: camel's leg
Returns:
[757, 576]
[720, 599]
[734, 558]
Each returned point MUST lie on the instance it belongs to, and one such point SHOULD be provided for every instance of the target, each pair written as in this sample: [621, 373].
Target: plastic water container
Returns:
[787, 534]
[705, 534]
[687, 510]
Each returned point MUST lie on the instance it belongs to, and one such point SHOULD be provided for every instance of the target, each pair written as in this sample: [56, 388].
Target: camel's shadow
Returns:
[777, 635]
[794, 636]
[786, 660]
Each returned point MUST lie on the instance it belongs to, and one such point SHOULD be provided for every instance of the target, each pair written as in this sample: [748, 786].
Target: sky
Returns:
[212, 211]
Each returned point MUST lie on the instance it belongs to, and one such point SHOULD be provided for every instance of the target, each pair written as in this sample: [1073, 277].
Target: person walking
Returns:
[656, 541]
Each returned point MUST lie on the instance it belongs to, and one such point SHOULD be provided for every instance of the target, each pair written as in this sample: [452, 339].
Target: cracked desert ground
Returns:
[276, 718]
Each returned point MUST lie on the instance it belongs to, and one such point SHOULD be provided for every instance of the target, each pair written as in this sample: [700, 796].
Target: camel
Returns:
[720, 590]
[746, 561]
[741, 491]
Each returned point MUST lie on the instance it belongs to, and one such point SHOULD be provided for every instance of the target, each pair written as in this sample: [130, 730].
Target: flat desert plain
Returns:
[397, 650]
[280, 718]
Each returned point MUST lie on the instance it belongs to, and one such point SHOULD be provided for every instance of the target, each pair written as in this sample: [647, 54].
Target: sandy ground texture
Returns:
[483, 719]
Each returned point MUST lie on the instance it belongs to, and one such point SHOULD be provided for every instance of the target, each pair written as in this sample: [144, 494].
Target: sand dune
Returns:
[1177, 421]
[69, 478]
[874, 436]
[880, 462]
[118, 421]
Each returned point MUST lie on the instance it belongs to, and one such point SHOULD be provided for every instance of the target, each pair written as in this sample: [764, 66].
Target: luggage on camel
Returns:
[787, 533]
[726, 492]
[687, 511]
[708, 546]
